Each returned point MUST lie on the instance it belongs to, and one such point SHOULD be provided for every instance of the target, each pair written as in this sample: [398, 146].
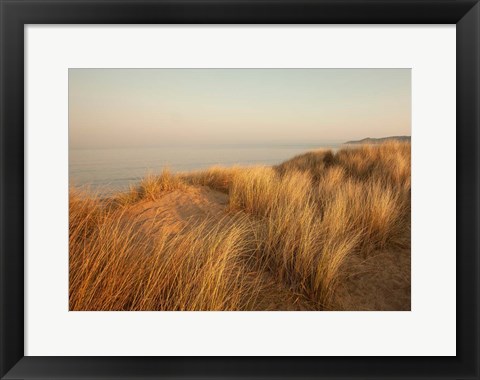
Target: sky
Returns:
[113, 108]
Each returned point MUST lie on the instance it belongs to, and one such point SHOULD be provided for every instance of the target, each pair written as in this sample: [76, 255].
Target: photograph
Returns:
[239, 189]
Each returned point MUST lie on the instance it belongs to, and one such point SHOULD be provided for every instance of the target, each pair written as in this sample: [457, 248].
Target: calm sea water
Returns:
[107, 170]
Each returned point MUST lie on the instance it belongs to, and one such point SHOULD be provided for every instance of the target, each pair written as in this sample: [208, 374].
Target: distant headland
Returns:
[370, 140]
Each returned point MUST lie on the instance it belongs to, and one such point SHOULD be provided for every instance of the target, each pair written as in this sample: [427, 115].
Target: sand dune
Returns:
[322, 231]
[380, 282]
[178, 207]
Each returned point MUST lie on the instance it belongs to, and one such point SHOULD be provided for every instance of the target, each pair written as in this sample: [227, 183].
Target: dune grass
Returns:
[298, 223]
[217, 177]
[152, 187]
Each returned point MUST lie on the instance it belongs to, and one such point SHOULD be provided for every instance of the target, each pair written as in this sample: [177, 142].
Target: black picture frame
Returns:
[15, 14]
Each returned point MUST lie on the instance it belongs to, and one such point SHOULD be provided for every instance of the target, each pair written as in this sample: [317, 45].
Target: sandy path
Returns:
[176, 208]
[381, 282]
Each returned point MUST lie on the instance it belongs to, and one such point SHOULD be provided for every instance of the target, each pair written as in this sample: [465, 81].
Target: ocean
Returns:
[109, 170]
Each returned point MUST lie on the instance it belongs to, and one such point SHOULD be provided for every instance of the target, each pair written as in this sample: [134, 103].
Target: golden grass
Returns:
[152, 187]
[119, 267]
[217, 177]
[298, 223]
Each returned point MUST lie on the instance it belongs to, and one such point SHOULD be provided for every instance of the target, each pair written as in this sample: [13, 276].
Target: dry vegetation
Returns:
[321, 231]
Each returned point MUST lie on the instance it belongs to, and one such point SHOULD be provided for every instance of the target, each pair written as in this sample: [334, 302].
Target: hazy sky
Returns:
[155, 107]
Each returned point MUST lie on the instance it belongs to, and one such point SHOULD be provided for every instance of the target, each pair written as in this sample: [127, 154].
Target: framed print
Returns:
[239, 190]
